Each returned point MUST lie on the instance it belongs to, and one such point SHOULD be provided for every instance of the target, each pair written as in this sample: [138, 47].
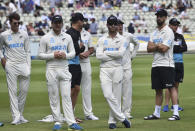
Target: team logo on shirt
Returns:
[63, 39]
[20, 37]
[52, 41]
[9, 38]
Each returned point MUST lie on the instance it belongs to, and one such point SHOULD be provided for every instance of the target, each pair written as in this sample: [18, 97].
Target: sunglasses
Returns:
[111, 23]
[16, 23]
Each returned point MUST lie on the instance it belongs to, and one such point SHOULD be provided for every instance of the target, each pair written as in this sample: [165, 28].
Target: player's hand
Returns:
[81, 44]
[62, 55]
[85, 54]
[57, 55]
[82, 56]
[3, 62]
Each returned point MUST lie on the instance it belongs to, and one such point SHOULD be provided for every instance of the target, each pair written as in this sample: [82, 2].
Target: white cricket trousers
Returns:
[59, 80]
[111, 83]
[14, 73]
[127, 92]
[86, 88]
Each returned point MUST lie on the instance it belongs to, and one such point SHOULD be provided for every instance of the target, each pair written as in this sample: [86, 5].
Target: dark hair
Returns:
[14, 16]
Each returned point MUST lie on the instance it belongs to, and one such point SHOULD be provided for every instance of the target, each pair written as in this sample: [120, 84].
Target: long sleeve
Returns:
[71, 51]
[100, 53]
[42, 51]
[135, 42]
[180, 48]
[1, 47]
[27, 49]
[118, 53]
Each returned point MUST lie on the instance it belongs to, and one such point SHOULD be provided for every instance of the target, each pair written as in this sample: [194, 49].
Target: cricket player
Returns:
[77, 21]
[127, 71]
[56, 47]
[17, 64]
[110, 51]
[86, 75]
[179, 48]
[162, 75]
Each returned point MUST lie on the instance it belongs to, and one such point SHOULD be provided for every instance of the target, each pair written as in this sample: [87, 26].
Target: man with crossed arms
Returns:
[110, 51]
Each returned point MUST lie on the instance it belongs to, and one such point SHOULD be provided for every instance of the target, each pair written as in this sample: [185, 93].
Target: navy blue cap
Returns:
[120, 22]
[161, 12]
[57, 18]
[174, 21]
[112, 20]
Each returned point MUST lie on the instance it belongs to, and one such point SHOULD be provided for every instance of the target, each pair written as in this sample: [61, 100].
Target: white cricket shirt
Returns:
[111, 50]
[51, 43]
[166, 37]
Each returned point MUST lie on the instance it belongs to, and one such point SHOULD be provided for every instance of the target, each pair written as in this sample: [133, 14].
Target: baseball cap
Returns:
[174, 21]
[112, 20]
[120, 22]
[161, 12]
[57, 18]
[77, 17]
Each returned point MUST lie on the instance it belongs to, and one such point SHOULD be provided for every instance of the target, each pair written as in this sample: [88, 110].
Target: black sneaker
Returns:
[126, 123]
[112, 126]
[151, 117]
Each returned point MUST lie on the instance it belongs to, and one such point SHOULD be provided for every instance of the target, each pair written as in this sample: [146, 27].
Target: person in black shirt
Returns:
[77, 22]
[178, 49]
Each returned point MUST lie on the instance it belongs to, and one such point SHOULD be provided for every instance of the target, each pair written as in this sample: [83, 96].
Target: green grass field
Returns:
[37, 104]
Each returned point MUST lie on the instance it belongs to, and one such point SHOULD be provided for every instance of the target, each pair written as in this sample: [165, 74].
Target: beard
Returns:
[160, 23]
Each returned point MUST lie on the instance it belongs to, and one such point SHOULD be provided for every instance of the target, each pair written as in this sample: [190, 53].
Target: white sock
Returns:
[157, 111]
[175, 110]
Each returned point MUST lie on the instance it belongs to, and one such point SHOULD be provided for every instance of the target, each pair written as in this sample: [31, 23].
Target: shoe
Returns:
[1, 124]
[48, 118]
[165, 108]
[112, 126]
[179, 108]
[16, 121]
[91, 117]
[57, 126]
[127, 123]
[151, 117]
[174, 118]
[75, 127]
[23, 120]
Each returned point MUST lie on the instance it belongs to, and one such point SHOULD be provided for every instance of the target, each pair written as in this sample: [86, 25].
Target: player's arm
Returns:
[100, 53]
[71, 51]
[180, 48]
[90, 50]
[3, 60]
[27, 49]
[42, 50]
[166, 43]
[120, 52]
[136, 44]
[151, 47]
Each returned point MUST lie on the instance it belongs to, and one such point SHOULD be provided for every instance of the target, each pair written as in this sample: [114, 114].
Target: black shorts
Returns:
[162, 77]
[179, 72]
[75, 70]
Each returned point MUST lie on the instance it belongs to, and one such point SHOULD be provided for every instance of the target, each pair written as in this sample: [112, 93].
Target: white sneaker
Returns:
[16, 121]
[23, 120]
[91, 117]
[48, 118]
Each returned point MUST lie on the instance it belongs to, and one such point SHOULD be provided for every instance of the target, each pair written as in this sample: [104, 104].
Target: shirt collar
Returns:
[117, 35]
[55, 33]
[11, 32]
